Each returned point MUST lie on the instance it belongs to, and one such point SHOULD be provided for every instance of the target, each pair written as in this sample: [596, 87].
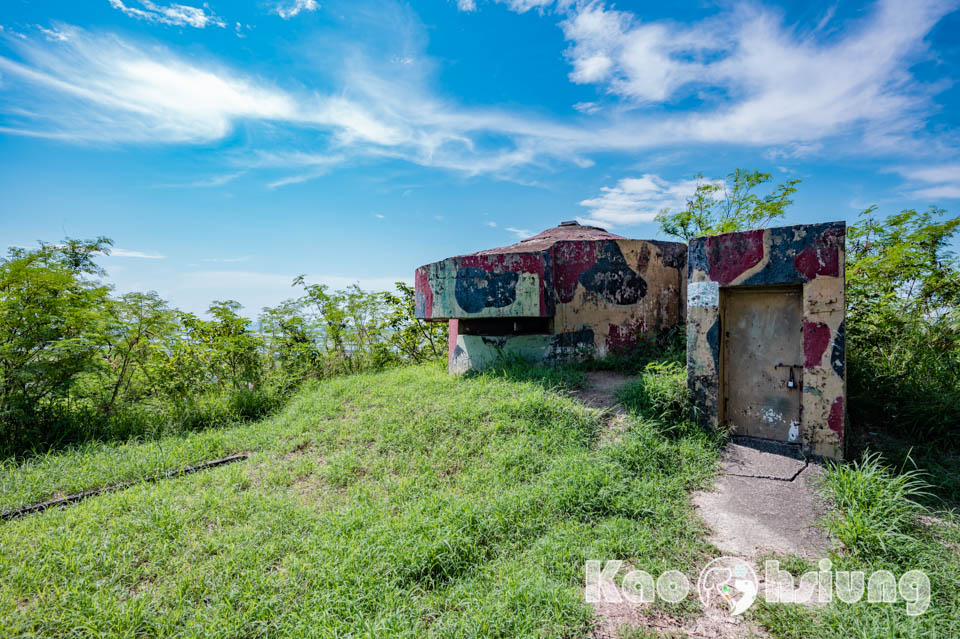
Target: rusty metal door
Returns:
[762, 361]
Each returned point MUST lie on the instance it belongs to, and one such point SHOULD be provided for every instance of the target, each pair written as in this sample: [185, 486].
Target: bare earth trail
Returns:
[763, 502]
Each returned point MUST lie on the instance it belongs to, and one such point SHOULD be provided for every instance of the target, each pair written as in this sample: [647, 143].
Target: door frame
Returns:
[725, 293]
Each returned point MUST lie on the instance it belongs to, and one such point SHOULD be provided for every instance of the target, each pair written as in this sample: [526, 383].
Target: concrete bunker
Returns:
[764, 313]
[765, 334]
[570, 292]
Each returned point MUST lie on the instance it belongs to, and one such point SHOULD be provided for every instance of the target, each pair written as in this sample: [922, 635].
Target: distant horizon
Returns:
[227, 148]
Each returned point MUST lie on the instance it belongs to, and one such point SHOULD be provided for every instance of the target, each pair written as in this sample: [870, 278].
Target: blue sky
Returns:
[227, 147]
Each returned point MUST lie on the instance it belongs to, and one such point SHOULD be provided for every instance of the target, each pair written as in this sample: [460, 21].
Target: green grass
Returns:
[404, 503]
[877, 515]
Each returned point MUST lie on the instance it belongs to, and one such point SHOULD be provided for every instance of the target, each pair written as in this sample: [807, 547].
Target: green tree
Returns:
[902, 265]
[903, 322]
[415, 339]
[136, 328]
[727, 205]
[52, 310]
[291, 343]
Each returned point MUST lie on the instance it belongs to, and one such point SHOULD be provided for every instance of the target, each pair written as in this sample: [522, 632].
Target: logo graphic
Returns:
[730, 580]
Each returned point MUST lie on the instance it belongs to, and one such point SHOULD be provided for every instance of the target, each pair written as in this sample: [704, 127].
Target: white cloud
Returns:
[768, 86]
[636, 200]
[287, 11]
[776, 84]
[227, 260]
[379, 216]
[942, 181]
[466, 5]
[208, 182]
[943, 191]
[492, 224]
[175, 14]
[521, 233]
[54, 35]
[522, 6]
[119, 252]
[103, 89]
[587, 107]
[941, 173]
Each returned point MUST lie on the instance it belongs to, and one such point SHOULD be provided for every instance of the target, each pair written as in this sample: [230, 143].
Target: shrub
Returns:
[661, 392]
[875, 507]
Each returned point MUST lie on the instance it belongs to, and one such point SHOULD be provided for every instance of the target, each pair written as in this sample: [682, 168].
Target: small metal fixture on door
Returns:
[762, 359]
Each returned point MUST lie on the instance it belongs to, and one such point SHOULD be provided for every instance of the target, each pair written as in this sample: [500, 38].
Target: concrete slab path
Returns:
[764, 501]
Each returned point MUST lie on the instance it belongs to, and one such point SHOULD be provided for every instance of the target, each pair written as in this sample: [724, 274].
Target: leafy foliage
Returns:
[903, 322]
[51, 316]
[727, 205]
[77, 363]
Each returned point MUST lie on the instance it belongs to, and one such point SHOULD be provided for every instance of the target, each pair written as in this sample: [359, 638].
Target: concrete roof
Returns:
[565, 232]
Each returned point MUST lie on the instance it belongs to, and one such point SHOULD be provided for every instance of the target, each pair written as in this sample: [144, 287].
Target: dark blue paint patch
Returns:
[697, 257]
[838, 354]
[674, 254]
[612, 278]
[458, 352]
[477, 289]
[713, 340]
[548, 292]
[703, 399]
[573, 339]
[497, 341]
[785, 244]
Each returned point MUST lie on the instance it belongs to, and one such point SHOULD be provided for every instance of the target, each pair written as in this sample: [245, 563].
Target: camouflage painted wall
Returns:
[810, 255]
[599, 290]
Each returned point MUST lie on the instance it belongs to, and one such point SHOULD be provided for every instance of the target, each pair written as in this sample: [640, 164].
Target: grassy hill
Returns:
[407, 503]
[402, 503]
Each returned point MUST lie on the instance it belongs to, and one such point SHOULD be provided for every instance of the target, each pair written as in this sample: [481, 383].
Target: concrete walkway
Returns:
[764, 501]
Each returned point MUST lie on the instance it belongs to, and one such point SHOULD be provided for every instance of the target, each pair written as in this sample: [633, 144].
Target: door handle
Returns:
[792, 382]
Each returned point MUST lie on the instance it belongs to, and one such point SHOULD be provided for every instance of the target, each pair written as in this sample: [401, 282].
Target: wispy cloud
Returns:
[492, 224]
[785, 86]
[207, 182]
[101, 88]
[940, 181]
[54, 35]
[775, 89]
[520, 233]
[289, 10]
[227, 260]
[467, 5]
[587, 107]
[175, 14]
[379, 216]
[119, 252]
[637, 200]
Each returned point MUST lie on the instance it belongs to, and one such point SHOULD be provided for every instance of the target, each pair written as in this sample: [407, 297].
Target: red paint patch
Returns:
[620, 338]
[423, 294]
[822, 257]
[816, 337]
[570, 259]
[730, 256]
[835, 420]
[452, 338]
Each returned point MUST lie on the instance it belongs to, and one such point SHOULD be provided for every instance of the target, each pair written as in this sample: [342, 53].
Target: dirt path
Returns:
[763, 501]
[600, 391]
